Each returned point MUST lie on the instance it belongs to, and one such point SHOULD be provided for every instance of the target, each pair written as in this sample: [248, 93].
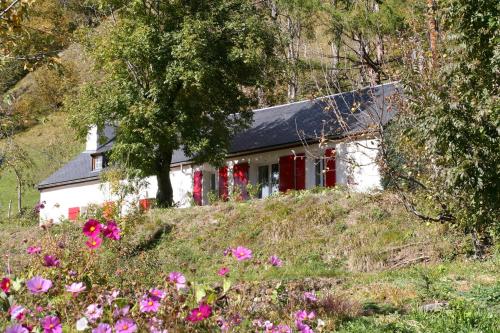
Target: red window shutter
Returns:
[286, 173]
[240, 175]
[330, 172]
[300, 172]
[73, 213]
[198, 187]
[145, 204]
[223, 187]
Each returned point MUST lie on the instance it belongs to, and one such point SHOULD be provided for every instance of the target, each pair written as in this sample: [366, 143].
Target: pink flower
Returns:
[242, 253]
[38, 285]
[282, 329]
[5, 284]
[275, 261]
[309, 296]
[303, 315]
[121, 312]
[125, 325]
[34, 250]
[94, 242]
[200, 313]
[51, 261]
[157, 293]
[223, 271]
[17, 312]
[102, 328]
[93, 312]
[16, 329]
[76, 288]
[178, 279]
[92, 228]
[51, 324]
[112, 231]
[149, 304]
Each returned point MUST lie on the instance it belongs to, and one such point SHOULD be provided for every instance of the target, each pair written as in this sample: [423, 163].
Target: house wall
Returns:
[355, 167]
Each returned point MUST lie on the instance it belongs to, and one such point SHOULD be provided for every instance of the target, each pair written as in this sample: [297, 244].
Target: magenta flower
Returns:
[51, 324]
[200, 313]
[93, 312]
[92, 228]
[275, 261]
[16, 329]
[94, 242]
[178, 279]
[102, 328]
[112, 231]
[242, 253]
[157, 293]
[34, 250]
[38, 285]
[302, 315]
[17, 312]
[282, 329]
[125, 325]
[223, 271]
[75, 288]
[309, 296]
[51, 261]
[5, 284]
[149, 304]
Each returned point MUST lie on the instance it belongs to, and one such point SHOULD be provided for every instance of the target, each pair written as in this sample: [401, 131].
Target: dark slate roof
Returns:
[336, 115]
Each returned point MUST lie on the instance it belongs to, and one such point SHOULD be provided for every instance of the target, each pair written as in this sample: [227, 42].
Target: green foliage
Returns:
[447, 136]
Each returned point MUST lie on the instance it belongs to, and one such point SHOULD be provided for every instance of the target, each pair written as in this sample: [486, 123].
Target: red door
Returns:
[223, 187]
[240, 175]
[73, 213]
[330, 172]
[292, 172]
[198, 187]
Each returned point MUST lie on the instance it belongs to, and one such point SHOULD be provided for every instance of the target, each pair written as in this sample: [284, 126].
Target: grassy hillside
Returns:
[49, 144]
[371, 264]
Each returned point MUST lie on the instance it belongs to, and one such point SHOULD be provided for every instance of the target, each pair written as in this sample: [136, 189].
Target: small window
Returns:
[98, 162]
[268, 179]
[320, 172]
[212, 182]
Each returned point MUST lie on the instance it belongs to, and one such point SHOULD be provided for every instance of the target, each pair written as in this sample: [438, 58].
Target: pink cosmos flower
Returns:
[149, 304]
[92, 228]
[51, 261]
[282, 329]
[155, 325]
[16, 329]
[200, 313]
[94, 242]
[102, 328]
[157, 293]
[38, 285]
[93, 312]
[121, 312]
[275, 261]
[5, 284]
[34, 250]
[125, 325]
[223, 271]
[17, 312]
[309, 296]
[75, 288]
[242, 253]
[178, 279]
[51, 324]
[112, 231]
[303, 315]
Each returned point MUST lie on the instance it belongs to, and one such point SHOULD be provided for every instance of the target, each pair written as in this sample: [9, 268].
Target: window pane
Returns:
[263, 181]
[212, 182]
[319, 172]
[275, 178]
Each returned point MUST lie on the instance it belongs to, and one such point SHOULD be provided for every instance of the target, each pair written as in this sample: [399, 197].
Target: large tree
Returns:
[175, 74]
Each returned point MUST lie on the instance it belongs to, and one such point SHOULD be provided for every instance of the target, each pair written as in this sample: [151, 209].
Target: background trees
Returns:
[175, 75]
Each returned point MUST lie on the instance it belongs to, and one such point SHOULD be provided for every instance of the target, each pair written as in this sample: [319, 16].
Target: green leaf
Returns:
[226, 285]
[199, 293]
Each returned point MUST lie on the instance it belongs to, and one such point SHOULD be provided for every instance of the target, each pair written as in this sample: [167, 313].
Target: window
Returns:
[98, 162]
[268, 179]
[320, 172]
[212, 182]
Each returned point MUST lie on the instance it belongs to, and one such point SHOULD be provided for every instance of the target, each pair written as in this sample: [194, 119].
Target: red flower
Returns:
[92, 228]
[93, 242]
[5, 284]
[200, 313]
[112, 231]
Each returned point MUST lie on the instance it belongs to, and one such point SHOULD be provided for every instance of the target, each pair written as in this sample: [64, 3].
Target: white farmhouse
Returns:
[284, 149]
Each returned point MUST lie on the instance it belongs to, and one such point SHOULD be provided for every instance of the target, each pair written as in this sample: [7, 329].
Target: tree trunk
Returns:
[164, 196]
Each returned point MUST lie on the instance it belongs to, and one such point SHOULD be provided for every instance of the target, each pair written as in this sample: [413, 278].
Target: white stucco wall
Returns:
[355, 167]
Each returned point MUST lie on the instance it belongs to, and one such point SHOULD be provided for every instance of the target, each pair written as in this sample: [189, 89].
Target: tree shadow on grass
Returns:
[152, 241]
[372, 308]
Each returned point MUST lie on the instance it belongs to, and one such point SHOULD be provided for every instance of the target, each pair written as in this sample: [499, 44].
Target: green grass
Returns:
[49, 144]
